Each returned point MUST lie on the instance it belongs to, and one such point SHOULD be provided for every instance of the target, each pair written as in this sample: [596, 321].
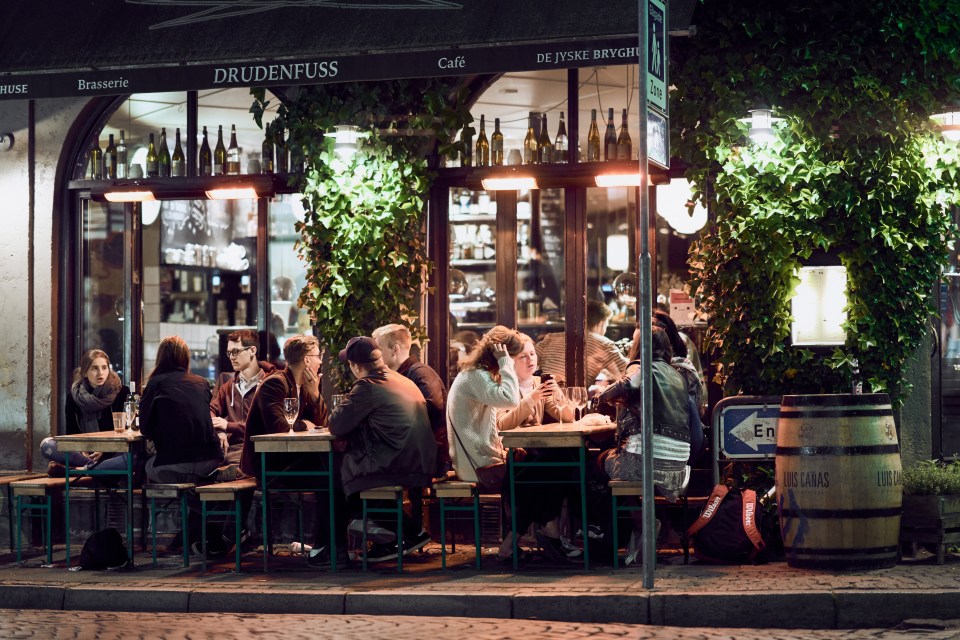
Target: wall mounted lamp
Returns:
[347, 140]
[6, 141]
[509, 183]
[761, 121]
[618, 179]
[191, 188]
[949, 121]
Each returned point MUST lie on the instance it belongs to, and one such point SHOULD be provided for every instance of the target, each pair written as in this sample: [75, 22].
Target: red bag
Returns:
[728, 530]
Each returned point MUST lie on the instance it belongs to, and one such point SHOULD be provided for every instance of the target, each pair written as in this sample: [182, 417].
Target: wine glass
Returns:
[578, 398]
[291, 409]
[130, 413]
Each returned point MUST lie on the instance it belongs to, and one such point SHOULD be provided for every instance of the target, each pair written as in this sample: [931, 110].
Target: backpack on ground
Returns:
[728, 528]
[104, 550]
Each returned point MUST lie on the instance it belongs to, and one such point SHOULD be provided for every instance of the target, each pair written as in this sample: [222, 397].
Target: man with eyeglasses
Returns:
[235, 391]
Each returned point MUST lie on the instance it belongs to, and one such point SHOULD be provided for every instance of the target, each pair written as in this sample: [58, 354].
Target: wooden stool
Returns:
[169, 493]
[455, 490]
[7, 481]
[223, 492]
[37, 488]
[634, 489]
[394, 493]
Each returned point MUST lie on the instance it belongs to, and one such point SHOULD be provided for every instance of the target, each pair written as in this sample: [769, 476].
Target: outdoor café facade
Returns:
[80, 271]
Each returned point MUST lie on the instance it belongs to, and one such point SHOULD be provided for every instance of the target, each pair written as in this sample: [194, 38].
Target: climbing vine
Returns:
[363, 234]
[857, 170]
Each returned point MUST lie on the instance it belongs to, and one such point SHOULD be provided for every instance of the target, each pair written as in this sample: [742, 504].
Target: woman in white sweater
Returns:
[486, 382]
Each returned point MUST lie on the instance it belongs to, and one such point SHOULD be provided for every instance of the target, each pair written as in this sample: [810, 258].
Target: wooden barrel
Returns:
[839, 482]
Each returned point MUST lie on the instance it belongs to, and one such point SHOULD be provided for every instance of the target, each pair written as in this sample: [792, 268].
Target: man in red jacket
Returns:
[234, 395]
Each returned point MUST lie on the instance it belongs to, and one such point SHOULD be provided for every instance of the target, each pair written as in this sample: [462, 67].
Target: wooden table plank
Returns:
[569, 434]
[104, 441]
[296, 442]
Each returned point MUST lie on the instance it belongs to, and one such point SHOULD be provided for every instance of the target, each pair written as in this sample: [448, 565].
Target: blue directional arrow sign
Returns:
[749, 431]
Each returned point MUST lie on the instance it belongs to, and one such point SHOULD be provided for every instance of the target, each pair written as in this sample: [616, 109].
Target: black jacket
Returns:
[435, 394]
[175, 414]
[384, 419]
[105, 419]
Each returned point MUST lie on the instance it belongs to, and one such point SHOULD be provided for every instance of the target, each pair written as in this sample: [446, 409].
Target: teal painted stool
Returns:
[223, 492]
[395, 494]
[457, 490]
[168, 493]
[623, 488]
[24, 492]
[7, 481]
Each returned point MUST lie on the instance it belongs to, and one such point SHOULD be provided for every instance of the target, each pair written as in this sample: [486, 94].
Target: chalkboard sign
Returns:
[205, 222]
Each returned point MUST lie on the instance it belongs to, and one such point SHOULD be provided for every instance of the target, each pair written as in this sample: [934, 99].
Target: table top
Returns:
[298, 441]
[105, 441]
[568, 434]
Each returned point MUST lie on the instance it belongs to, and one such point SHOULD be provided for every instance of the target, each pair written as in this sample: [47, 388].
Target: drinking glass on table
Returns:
[291, 409]
[578, 398]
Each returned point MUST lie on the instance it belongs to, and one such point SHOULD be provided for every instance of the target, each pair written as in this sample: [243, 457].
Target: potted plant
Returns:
[931, 505]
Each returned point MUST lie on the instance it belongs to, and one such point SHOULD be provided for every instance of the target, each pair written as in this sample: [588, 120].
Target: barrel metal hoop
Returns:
[835, 413]
[857, 450]
[834, 551]
[833, 514]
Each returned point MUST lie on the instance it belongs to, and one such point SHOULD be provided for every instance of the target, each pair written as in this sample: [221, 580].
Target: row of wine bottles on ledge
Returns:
[540, 149]
[112, 162]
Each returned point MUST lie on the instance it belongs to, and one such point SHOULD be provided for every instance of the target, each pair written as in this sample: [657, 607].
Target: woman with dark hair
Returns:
[175, 414]
[94, 395]
[691, 373]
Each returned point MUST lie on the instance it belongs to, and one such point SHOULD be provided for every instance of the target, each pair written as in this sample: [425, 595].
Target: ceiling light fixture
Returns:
[232, 193]
[618, 179]
[129, 195]
[509, 183]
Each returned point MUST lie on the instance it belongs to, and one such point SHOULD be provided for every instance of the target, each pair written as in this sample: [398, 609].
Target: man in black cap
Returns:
[385, 423]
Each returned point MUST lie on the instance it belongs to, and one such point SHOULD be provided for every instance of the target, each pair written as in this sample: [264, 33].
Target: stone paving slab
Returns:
[166, 626]
[718, 596]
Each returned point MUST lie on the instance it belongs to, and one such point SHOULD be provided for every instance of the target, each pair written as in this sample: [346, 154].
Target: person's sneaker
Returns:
[382, 552]
[213, 550]
[228, 473]
[56, 470]
[419, 542]
[594, 532]
[572, 551]
[320, 558]
[552, 548]
[375, 533]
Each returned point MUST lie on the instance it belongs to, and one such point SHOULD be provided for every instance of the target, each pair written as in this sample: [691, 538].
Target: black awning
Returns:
[106, 47]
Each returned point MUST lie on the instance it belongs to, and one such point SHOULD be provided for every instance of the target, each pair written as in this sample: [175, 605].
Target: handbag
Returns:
[492, 475]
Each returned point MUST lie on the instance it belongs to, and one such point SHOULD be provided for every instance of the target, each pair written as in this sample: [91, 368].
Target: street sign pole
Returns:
[645, 314]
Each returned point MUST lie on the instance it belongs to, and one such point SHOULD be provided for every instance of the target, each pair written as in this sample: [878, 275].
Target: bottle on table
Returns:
[610, 138]
[593, 139]
[281, 151]
[219, 155]
[153, 165]
[163, 155]
[483, 147]
[233, 153]
[205, 161]
[121, 164]
[496, 145]
[178, 165]
[624, 144]
[560, 142]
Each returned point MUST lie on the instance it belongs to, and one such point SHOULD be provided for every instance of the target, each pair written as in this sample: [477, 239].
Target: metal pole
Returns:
[645, 311]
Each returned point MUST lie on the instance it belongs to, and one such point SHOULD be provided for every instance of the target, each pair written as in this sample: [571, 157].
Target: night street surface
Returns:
[199, 626]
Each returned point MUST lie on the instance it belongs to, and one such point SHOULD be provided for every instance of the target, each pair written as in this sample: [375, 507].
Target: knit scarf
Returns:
[92, 401]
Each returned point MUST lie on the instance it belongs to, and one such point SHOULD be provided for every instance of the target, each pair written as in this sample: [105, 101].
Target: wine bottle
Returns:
[483, 147]
[163, 156]
[281, 151]
[233, 153]
[153, 167]
[205, 162]
[219, 155]
[530, 143]
[96, 160]
[496, 144]
[466, 148]
[544, 146]
[610, 138]
[178, 167]
[110, 160]
[122, 156]
[266, 152]
[560, 143]
[624, 144]
[593, 139]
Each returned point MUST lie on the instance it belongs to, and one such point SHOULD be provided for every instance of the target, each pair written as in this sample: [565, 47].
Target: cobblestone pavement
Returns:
[48, 624]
